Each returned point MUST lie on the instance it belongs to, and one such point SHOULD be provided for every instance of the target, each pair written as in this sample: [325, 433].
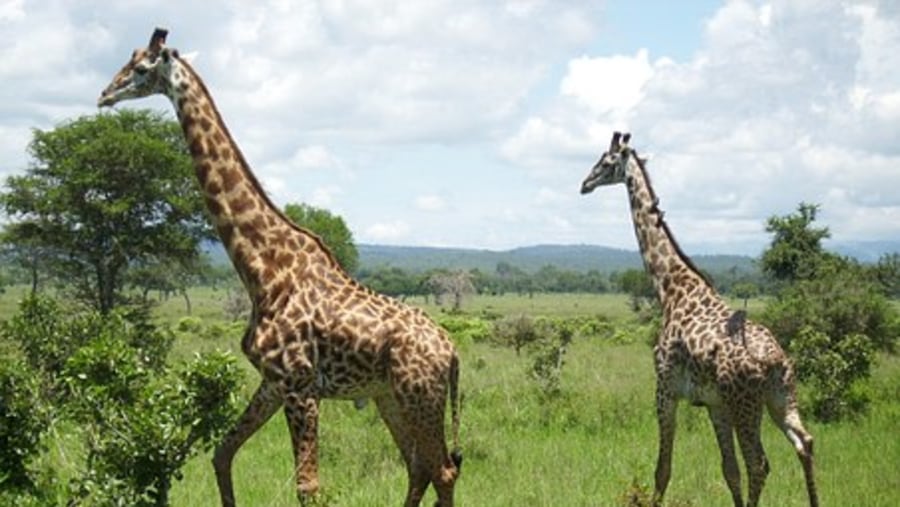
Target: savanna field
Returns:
[593, 443]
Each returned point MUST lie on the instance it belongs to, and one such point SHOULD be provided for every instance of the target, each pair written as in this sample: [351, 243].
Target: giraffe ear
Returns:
[158, 39]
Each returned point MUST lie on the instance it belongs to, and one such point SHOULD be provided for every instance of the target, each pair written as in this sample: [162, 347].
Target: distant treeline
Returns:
[505, 278]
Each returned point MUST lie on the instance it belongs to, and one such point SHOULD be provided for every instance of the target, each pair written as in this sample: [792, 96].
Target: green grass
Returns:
[585, 448]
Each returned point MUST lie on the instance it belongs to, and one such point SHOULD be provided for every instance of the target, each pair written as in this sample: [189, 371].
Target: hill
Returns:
[571, 257]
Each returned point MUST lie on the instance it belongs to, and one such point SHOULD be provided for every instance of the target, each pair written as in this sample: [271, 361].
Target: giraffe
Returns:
[706, 353]
[314, 332]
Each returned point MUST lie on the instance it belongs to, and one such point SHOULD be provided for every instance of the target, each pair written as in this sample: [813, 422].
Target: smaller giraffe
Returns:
[706, 353]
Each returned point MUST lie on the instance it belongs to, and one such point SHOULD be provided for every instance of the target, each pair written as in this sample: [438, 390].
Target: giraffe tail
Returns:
[455, 410]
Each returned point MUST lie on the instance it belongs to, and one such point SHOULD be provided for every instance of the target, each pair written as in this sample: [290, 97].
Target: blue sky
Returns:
[469, 123]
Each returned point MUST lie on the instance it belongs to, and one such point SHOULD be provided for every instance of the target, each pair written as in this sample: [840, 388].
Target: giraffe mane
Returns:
[252, 177]
[662, 222]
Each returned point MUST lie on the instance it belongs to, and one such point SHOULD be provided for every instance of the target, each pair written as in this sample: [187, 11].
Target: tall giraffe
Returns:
[706, 353]
[314, 332]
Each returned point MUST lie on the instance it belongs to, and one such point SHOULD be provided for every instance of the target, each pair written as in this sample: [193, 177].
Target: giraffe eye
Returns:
[140, 70]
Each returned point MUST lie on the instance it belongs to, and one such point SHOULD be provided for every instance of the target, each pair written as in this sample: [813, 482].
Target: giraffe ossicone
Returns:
[706, 353]
[314, 332]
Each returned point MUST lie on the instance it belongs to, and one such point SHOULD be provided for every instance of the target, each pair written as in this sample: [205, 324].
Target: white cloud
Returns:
[607, 85]
[12, 10]
[324, 197]
[387, 231]
[785, 102]
[782, 101]
[313, 157]
[430, 202]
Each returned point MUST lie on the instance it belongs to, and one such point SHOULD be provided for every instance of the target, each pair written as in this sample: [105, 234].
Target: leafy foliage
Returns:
[548, 356]
[22, 421]
[835, 370]
[887, 274]
[331, 228]
[465, 330]
[831, 315]
[516, 331]
[104, 192]
[139, 418]
[796, 247]
[639, 286]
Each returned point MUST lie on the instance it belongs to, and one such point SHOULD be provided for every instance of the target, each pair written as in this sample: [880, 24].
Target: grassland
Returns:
[588, 447]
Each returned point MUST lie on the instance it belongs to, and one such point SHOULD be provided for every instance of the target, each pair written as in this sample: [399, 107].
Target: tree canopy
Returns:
[796, 247]
[331, 228]
[102, 193]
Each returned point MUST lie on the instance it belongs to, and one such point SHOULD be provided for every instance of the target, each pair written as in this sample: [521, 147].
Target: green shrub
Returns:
[548, 355]
[140, 419]
[835, 370]
[516, 331]
[189, 325]
[23, 417]
[465, 330]
[141, 433]
[832, 324]
[599, 326]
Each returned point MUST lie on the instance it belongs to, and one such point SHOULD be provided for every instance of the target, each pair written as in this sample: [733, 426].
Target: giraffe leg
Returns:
[302, 414]
[725, 436]
[666, 406]
[264, 403]
[783, 410]
[754, 454]
[392, 416]
[432, 456]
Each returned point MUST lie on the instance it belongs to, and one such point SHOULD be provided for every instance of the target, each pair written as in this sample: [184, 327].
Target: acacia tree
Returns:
[102, 193]
[828, 312]
[331, 228]
[796, 249]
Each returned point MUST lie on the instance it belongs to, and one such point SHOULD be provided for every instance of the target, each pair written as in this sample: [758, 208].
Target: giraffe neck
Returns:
[243, 215]
[669, 268]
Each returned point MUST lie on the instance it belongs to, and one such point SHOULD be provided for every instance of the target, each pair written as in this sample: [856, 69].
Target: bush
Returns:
[189, 325]
[22, 420]
[549, 353]
[139, 418]
[465, 330]
[835, 370]
[516, 332]
[139, 447]
[832, 324]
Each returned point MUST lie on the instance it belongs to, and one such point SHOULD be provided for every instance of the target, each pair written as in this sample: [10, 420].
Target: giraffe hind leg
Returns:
[783, 411]
[754, 455]
[302, 413]
[395, 420]
[725, 437]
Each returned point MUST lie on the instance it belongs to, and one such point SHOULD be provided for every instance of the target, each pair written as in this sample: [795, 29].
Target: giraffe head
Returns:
[146, 72]
[612, 166]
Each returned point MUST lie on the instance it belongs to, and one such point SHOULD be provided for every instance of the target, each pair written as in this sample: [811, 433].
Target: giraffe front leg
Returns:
[264, 403]
[666, 405]
[302, 413]
[725, 437]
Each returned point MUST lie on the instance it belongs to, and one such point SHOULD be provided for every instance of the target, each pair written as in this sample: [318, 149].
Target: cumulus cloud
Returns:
[784, 102]
[386, 232]
[343, 104]
[430, 202]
